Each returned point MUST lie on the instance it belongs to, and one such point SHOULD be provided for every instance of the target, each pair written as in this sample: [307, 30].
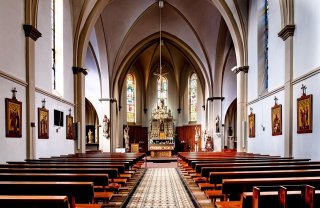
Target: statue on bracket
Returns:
[126, 137]
[106, 126]
[217, 124]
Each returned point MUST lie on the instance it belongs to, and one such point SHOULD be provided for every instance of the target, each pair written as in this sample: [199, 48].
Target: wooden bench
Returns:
[235, 187]
[97, 179]
[16, 201]
[206, 170]
[217, 177]
[112, 172]
[120, 167]
[80, 192]
[126, 164]
[264, 197]
[198, 166]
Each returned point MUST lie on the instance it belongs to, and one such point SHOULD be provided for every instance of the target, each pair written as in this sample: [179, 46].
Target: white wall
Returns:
[12, 148]
[253, 51]
[12, 42]
[307, 145]
[12, 62]
[306, 37]
[264, 142]
[276, 48]
[57, 144]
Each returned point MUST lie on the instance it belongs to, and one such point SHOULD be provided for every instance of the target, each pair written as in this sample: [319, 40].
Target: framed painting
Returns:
[69, 130]
[43, 123]
[304, 114]
[13, 118]
[252, 125]
[276, 120]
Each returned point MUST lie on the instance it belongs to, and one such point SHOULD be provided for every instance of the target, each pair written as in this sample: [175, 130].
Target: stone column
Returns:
[32, 34]
[287, 36]
[80, 104]
[115, 141]
[242, 85]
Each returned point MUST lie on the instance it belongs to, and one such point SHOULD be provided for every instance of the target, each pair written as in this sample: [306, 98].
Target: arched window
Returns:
[266, 44]
[193, 96]
[57, 46]
[131, 101]
[163, 90]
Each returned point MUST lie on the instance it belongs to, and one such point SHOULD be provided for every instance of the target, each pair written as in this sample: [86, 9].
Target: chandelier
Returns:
[161, 112]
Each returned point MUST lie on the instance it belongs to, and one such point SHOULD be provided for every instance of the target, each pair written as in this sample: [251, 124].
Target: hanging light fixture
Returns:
[161, 4]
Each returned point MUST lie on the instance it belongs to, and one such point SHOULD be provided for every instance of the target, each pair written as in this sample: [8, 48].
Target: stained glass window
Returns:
[193, 97]
[266, 40]
[53, 43]
[162, 90]
[130, 98]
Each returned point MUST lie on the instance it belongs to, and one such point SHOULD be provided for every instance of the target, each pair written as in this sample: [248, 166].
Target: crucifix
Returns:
[275, 100]
[14, 91]
[43, 103]
[304, 88]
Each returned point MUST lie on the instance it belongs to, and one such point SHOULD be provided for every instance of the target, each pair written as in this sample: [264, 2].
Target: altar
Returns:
[161, 137]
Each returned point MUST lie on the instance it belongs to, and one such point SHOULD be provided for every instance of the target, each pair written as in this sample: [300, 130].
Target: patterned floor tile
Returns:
[161, 188]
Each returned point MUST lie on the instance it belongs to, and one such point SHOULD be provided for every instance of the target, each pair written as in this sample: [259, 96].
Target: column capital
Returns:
[286, 32]
[31, 32]
[244, 69]
[77, 70]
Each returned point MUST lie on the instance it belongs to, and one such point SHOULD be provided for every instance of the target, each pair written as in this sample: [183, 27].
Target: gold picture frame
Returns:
[43, 123]
[252, 125]
[304, 114]
[13, 118]
[69, 127]
[276, 120]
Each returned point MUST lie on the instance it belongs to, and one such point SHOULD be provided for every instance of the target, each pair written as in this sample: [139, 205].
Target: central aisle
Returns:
[161, 187]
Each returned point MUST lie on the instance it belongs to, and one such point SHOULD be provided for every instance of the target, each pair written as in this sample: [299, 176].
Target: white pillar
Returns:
[32, 34]
[242, 83]
[287, 35]
[80, 104]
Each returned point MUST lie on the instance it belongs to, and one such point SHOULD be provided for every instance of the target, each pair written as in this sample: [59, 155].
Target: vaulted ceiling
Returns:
[194, 34]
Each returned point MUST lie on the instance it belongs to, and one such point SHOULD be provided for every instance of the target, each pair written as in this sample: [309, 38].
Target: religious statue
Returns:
[217, 124]
[209, 144]
[196, 138]
[105, 125]
[90, 136]
[197, 134]
[126, 137]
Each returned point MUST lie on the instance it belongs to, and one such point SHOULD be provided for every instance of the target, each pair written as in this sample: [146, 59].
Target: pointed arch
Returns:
[131, 98]
[193, 97]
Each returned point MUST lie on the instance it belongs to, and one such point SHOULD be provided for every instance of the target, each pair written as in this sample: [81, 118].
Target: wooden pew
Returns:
[16, 201]
[102, 164]
[269, 196]
[235, 187]
[120, 167]
[199, 166]
[112, 172]
[217, 177]
[97, 179]
[80, 192]
[205, 171]
[207, 163]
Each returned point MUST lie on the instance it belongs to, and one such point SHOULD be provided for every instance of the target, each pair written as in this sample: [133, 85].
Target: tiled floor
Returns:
[159, 188]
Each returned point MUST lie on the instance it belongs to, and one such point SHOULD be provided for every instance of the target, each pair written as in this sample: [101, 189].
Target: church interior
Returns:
[159, 103]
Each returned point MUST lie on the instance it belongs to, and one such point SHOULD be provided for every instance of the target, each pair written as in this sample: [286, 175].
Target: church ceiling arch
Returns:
[91, 13]
[145, 54]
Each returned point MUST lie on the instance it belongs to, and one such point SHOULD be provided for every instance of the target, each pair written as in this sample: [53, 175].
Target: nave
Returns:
[198, 179]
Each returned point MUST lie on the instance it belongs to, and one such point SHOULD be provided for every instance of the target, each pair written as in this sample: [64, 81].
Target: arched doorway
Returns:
[230, 129]
[92, 127]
